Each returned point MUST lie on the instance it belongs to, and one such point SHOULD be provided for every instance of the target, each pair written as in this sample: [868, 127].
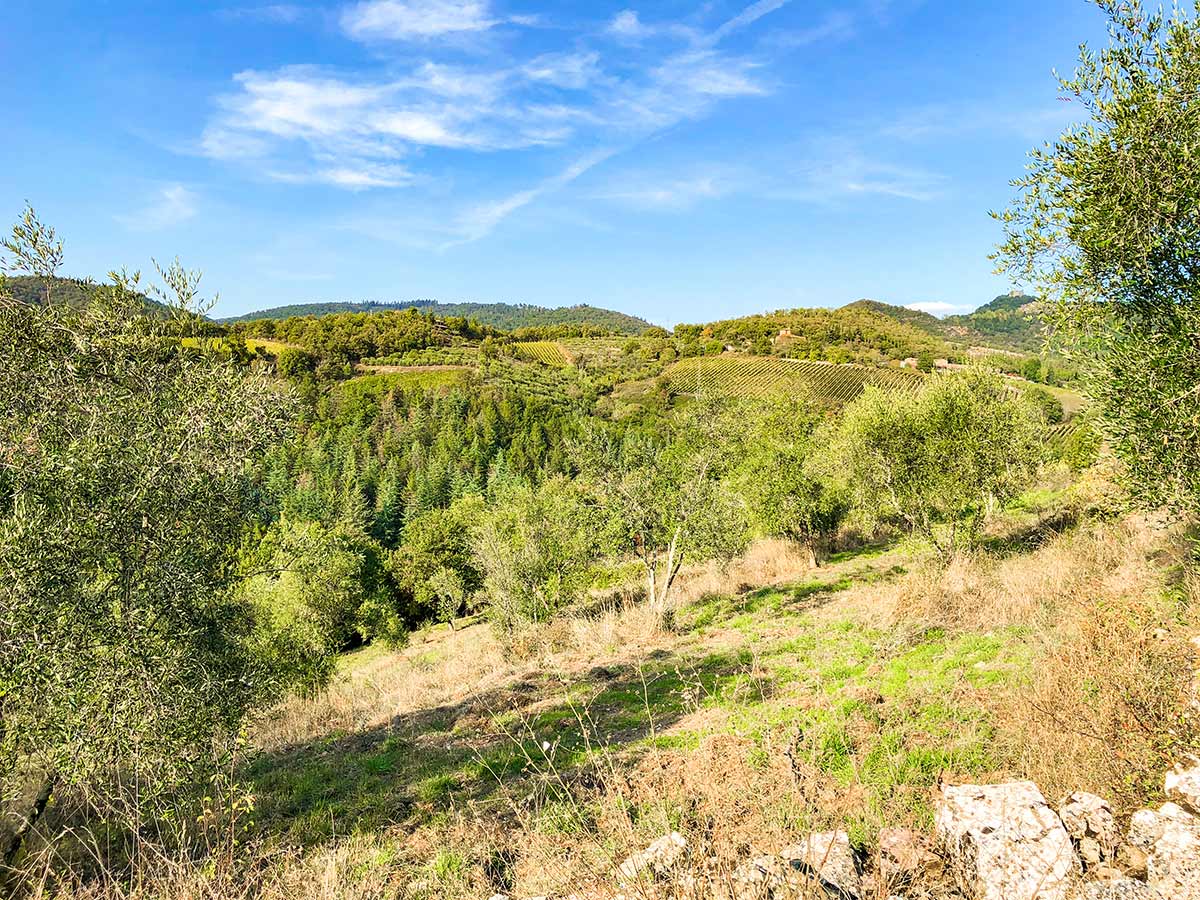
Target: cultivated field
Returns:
[759, 376]
[549, 353]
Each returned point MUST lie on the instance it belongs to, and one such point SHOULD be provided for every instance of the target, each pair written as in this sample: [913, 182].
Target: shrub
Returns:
[535, 547]
[936, 460]
[126, 653]
[788, 495]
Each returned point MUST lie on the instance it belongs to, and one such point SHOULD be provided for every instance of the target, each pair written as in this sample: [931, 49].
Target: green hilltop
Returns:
[1008, 322]
[504, 316]
[76, 292]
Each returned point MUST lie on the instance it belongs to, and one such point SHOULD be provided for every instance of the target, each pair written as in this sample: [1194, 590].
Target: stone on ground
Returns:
[1118, 889]
[828, 856]
[1183, 785]
[657, 859]
[1005, 842]
[1090, 824]
[1170, 839]
[903, 855]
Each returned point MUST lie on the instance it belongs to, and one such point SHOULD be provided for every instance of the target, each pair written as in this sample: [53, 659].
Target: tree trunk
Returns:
[16, 840]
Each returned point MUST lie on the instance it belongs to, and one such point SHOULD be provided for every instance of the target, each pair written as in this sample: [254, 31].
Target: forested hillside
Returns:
[855, 333]
[1010, 321]
[579, 319]
[76, 292]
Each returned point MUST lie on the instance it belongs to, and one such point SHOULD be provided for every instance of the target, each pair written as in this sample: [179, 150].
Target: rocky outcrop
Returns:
[1091, 826]
[657, 860]
[1182, 785]
[828, 856]
[1170, 839]
[998, 842]
[1005, 842]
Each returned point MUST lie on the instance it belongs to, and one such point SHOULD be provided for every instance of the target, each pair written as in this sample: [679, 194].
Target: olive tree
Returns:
[789, 494]
[1106, 227]
[938, 459]
[535, 546]
[664, 497]
[125, 649]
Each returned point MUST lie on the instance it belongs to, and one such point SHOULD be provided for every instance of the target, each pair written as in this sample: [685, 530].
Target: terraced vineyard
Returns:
[549, 353]
[758, 376]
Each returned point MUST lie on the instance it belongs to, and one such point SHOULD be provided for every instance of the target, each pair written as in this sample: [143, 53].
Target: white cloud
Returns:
[670, 194]
[939, 121]
[374, 128]
[838, 169]
[566, 70]
[274, 13]
[628, 27]
[746, 17]
[170, 205]
[627, 24]
[837, 25]
[401, 20]
[937, 307]
[350, 177]
[481, 220]
[273, 120]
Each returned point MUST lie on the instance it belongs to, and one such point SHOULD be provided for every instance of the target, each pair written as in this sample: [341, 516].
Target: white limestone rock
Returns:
[1005, 842]
[828, 856]
[1170, 838]
[657, 859]
[904, 854]
[1090, 824]
[1182, 784]
[1117, 889]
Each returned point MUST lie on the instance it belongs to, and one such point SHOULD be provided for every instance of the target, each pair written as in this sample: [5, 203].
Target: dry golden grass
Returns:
[1109, 613]
[1100, 613]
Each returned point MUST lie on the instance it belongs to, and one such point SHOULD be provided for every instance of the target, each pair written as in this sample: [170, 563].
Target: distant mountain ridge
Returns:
[505, 316]
[1007, 322]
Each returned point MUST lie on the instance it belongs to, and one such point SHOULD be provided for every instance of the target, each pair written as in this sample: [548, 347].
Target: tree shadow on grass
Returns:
[426, 762]
[1032, 536]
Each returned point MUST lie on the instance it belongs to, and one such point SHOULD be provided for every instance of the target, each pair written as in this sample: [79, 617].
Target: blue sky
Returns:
[683, 161]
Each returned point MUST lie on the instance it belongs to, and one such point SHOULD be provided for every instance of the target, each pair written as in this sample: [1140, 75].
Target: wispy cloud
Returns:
[837, 25]
[352, 178]
[481, 220]
[746, 17]
[627, 25]
[939, 121]
[400, 20]
[307, 121]
[666, 194]
[839, 169]
[567, 70]
[380, 128]
[272, 13]
[169, 206]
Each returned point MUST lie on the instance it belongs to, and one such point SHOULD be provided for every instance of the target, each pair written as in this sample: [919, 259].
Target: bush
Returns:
[1050, 406]
[535, 547]
[788, 495]
[938, 459]
[328, 589]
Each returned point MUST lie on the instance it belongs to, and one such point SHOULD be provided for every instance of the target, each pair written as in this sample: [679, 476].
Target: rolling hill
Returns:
[761, 376]
[77, 292]
[505, 316]
[1007, 322]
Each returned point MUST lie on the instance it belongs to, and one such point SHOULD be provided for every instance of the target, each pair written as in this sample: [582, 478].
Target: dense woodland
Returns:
[504, 316]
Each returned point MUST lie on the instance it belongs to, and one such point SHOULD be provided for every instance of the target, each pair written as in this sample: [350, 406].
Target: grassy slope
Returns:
[785, 699]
